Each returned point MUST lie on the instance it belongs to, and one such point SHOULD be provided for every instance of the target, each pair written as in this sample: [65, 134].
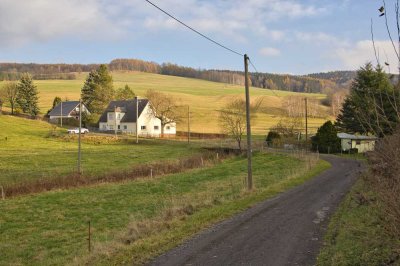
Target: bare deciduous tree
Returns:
[289, 126]
[164, 107]
[336, 100]
[233, 118]
[9, 93]
[295, 107]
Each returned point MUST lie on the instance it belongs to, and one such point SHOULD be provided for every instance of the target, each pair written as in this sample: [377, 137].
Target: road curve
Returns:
[285, 230]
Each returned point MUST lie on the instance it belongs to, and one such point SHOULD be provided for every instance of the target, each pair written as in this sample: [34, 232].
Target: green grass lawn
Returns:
[204, 97]
[27, 152]
[356, 234]
[51, 228]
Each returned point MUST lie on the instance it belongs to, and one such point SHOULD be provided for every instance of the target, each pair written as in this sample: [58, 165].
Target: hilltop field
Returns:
[205, 98]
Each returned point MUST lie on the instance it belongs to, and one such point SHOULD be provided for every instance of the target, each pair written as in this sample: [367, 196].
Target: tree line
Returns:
[314, 83]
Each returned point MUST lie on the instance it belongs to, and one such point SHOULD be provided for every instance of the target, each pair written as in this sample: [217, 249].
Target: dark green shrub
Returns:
[353, 151]
[272, 135]
[326, 140]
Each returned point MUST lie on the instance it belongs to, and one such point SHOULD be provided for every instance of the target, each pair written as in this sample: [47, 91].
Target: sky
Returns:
[280, 36]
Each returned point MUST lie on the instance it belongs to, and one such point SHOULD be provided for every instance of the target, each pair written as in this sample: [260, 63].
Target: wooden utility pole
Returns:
[188, 114]
[115, 121]
[137, 118]
[89, 238]
[305, 101]
[246, 82]
[79, 137]
[61, 114]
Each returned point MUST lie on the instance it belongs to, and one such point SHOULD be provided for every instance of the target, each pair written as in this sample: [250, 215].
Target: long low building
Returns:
[360, 142]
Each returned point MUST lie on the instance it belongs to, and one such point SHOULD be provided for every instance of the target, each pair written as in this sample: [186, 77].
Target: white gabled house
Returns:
[121, 116]
[65, 110]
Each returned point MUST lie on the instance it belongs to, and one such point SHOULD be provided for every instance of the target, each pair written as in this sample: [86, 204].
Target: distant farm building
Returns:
[65, 110]
[121, 116]
[359, 142]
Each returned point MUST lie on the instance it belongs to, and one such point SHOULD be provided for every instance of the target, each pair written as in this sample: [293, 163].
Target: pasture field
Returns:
[133, 221]
[29, 151]
[205, 98]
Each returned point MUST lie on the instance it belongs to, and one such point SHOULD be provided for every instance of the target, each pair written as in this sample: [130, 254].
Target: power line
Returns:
[251, 63]
[192, 29]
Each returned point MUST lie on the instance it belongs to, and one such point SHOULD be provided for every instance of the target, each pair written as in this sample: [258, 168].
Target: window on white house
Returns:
[143, 127]
[155, 127]
[167, 127]
[125, 127]
[119, 127]
[119, 116]
[358, 142]
[110, 116]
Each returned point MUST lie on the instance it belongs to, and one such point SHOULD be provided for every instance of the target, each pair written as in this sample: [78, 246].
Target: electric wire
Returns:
[194, 30]
[251, 63]
[206, 37]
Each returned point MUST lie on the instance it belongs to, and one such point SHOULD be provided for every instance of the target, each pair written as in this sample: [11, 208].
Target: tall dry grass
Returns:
[207, 158]
[384, 179]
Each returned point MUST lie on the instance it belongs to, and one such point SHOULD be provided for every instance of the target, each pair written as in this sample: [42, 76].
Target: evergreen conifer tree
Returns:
[326, 139]
[27, 95]
[98, 90]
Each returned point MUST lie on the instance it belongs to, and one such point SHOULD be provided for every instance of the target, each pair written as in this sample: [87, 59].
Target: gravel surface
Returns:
[285, 230]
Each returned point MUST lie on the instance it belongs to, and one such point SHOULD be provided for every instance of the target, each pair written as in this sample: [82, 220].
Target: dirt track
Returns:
[285, 230]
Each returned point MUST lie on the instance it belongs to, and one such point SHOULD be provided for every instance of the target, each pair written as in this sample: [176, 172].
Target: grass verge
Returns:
[356, 234]
[135, 220]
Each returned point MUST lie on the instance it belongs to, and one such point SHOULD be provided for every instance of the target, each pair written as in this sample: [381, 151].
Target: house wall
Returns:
[346, 144]
[152, 124]
[113, 121]
[364, 145]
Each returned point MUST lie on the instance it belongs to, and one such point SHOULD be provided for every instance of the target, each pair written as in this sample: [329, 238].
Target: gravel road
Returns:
[285, 230]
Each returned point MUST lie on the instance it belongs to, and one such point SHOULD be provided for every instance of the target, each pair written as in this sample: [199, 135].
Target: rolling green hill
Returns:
[205, 98]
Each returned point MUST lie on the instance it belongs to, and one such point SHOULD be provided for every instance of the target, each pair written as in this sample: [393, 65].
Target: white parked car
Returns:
[76, 130]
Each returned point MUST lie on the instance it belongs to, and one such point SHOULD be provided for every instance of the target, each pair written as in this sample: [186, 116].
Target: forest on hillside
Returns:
[313, 83]
[342, 78]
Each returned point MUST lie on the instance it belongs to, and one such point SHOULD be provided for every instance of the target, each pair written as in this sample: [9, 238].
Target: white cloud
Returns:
[40, 20]
[269, 51]
[231, 18]
[354, 56]
[319, 38]
[27, 22]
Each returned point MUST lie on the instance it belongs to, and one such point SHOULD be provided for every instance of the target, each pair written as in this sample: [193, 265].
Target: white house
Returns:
[121, 116]
[360, 142]
[69, 109]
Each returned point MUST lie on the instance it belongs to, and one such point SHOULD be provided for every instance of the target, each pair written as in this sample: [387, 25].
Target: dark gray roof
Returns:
[67, 108]
[127, 106]
[355, 137]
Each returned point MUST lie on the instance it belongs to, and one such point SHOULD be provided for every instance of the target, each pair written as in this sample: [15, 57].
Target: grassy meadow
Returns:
[133, 221]
[28, 151]
[205, 98]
